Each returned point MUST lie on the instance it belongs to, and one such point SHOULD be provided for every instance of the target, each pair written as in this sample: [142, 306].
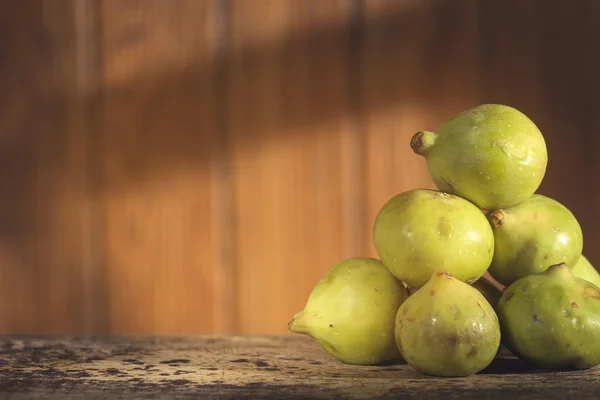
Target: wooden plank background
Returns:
[195, 166]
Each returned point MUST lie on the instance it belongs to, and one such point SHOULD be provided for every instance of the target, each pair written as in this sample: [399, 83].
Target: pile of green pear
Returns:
[427, 298]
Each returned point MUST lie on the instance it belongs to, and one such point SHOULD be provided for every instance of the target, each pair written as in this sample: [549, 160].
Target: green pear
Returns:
[488, 290]
[447, 328]
[491, 154]
[419, 232]
[552, 319]
[531, 236]
[585, 270]
[351, 312]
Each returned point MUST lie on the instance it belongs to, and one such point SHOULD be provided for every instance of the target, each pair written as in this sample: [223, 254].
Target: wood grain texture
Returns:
[288, 116]
[265, 367]
[42, 172]
[197, 165]
[158, 149]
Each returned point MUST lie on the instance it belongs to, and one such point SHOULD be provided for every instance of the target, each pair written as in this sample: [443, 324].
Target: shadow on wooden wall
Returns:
[196, 166]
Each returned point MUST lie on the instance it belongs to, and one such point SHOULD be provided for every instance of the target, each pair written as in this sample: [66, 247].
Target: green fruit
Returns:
[585, 270]
[488, 290]
[492, 155]
[351, 311]
[447, 328]
[419, 232]
[552, 320]
[531, 236]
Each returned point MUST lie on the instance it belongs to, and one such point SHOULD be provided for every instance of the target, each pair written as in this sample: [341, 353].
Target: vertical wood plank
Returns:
[42, 172]
[83, 121]
[288, 119]
[222, 222]
[420, 68]
[158, 150]
[591, 140]
[354, 166]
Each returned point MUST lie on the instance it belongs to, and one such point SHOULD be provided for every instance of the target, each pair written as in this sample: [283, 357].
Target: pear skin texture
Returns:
[447, 328]
[351, 312]
[552, 320]
[492, 154]
[420, 232]
[488, 290]
[531, 236]
[585, 270]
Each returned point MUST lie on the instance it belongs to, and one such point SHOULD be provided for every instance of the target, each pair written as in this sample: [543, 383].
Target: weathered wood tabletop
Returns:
[279, 367]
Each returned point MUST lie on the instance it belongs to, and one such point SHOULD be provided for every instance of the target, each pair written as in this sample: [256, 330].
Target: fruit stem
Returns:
[422, 141]
[496, 218]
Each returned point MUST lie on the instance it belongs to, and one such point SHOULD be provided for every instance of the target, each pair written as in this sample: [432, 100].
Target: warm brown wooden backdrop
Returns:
[185, 166]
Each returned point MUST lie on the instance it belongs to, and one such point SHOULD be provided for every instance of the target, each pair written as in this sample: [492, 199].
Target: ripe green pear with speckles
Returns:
[585, 270]
[552, 319]
[351, 312]
[420, 232]
[491, 154]
[447, 328]
[531, 236]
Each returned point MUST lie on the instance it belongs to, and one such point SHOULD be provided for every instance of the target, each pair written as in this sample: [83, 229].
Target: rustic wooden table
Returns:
[280, 367]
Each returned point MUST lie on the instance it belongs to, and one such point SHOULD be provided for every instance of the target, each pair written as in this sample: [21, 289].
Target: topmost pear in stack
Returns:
[492, 155]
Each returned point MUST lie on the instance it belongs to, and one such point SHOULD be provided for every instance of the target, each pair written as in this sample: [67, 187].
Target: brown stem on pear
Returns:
[422, 141]
[497, 218]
